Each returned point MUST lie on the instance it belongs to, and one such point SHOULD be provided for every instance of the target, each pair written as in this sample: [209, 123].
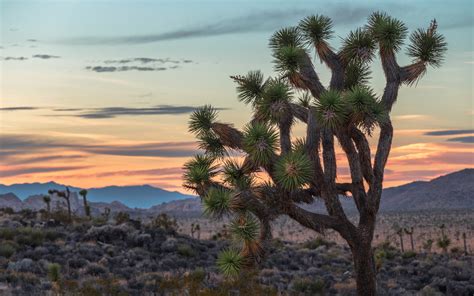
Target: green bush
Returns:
[122, 218]
[7, 234]
[185, 251]
[409, 254]
[29, 237]
[317, 242]
[7, 250]
[54, 272]
[308, 286]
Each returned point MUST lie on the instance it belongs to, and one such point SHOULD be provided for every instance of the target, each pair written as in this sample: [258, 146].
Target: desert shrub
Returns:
[317, 242]
[122, 218]
[185, 250]
[8, 211]
[54, 272]
[7, 233]
[379, 258]
[308, 286]
[389, 251]
[27, 214]
[455, 250]
[28, 236]
[60, 216]
[163, 221]
[95, 269]
[409, 254]
[51, 235]
[7, 250]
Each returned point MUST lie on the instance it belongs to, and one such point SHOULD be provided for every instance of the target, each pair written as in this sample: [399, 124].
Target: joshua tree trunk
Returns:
[412, 243]
[402, 248]
[364, 267]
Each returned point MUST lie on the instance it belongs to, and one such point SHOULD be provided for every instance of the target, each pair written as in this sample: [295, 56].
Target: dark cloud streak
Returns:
[450, 132]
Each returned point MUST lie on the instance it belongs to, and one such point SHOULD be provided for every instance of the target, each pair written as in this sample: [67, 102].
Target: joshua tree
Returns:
[465, 245]
[47, 201]
[410, 233]
[66, 195]
[443, 243]
[399, 232]
[87, 208]
[277, 174]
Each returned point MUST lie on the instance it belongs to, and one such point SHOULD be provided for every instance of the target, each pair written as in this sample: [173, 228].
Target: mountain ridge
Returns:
[416, 195]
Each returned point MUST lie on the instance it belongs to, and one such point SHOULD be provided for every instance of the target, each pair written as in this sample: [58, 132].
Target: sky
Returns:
[97, 93]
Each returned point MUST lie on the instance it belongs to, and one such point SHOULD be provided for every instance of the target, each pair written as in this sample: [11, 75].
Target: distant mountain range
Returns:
[144, 196]
[452, 191]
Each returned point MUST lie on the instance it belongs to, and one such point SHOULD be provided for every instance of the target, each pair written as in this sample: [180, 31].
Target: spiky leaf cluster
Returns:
[331, 110]
[286, 37]
[212, 145]
[365, 109]
[358, 45]
[274, 105]
[357, 74]
[234, 175]
[388, 31]
[245, 228]
[260, 141]
[305, 99]
[288, 60]
[217, 202]
[250, 87]
[199, 171]
[316, 29]
[427, 46]
[201, 120]
[230, 262]
[293, 170]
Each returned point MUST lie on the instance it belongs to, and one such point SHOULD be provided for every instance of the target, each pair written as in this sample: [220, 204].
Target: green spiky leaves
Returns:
[388, 31]
[365, 109]
[293, 170]
[217, 202]
[230, 262]
[260, 142]
[331, 111]
[250, 86]
[245, 228]
[201, 120]
[288, 60]
[357, 74]
[358, 45]
[234, 175]
[286, 37]
[427, 46]
[274, 105]
[199, 171]
[316, 29]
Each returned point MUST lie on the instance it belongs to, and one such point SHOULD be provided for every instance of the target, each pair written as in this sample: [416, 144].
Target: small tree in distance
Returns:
[277, 174]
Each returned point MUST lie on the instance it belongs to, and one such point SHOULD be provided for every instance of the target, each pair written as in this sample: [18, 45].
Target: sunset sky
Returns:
[96, 93]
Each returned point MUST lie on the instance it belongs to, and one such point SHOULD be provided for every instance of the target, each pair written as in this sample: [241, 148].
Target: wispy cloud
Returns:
[261, 21]
[14, 145]
[14, 58]
[412, 117]
[45, 56]
[38, 170]
[111, 112]
[467, 139]
[450, 132]
[101, 69]
[22, 108]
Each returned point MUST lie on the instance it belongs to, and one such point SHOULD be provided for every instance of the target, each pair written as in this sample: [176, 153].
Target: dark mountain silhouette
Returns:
[452, 191]
[143, 196]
